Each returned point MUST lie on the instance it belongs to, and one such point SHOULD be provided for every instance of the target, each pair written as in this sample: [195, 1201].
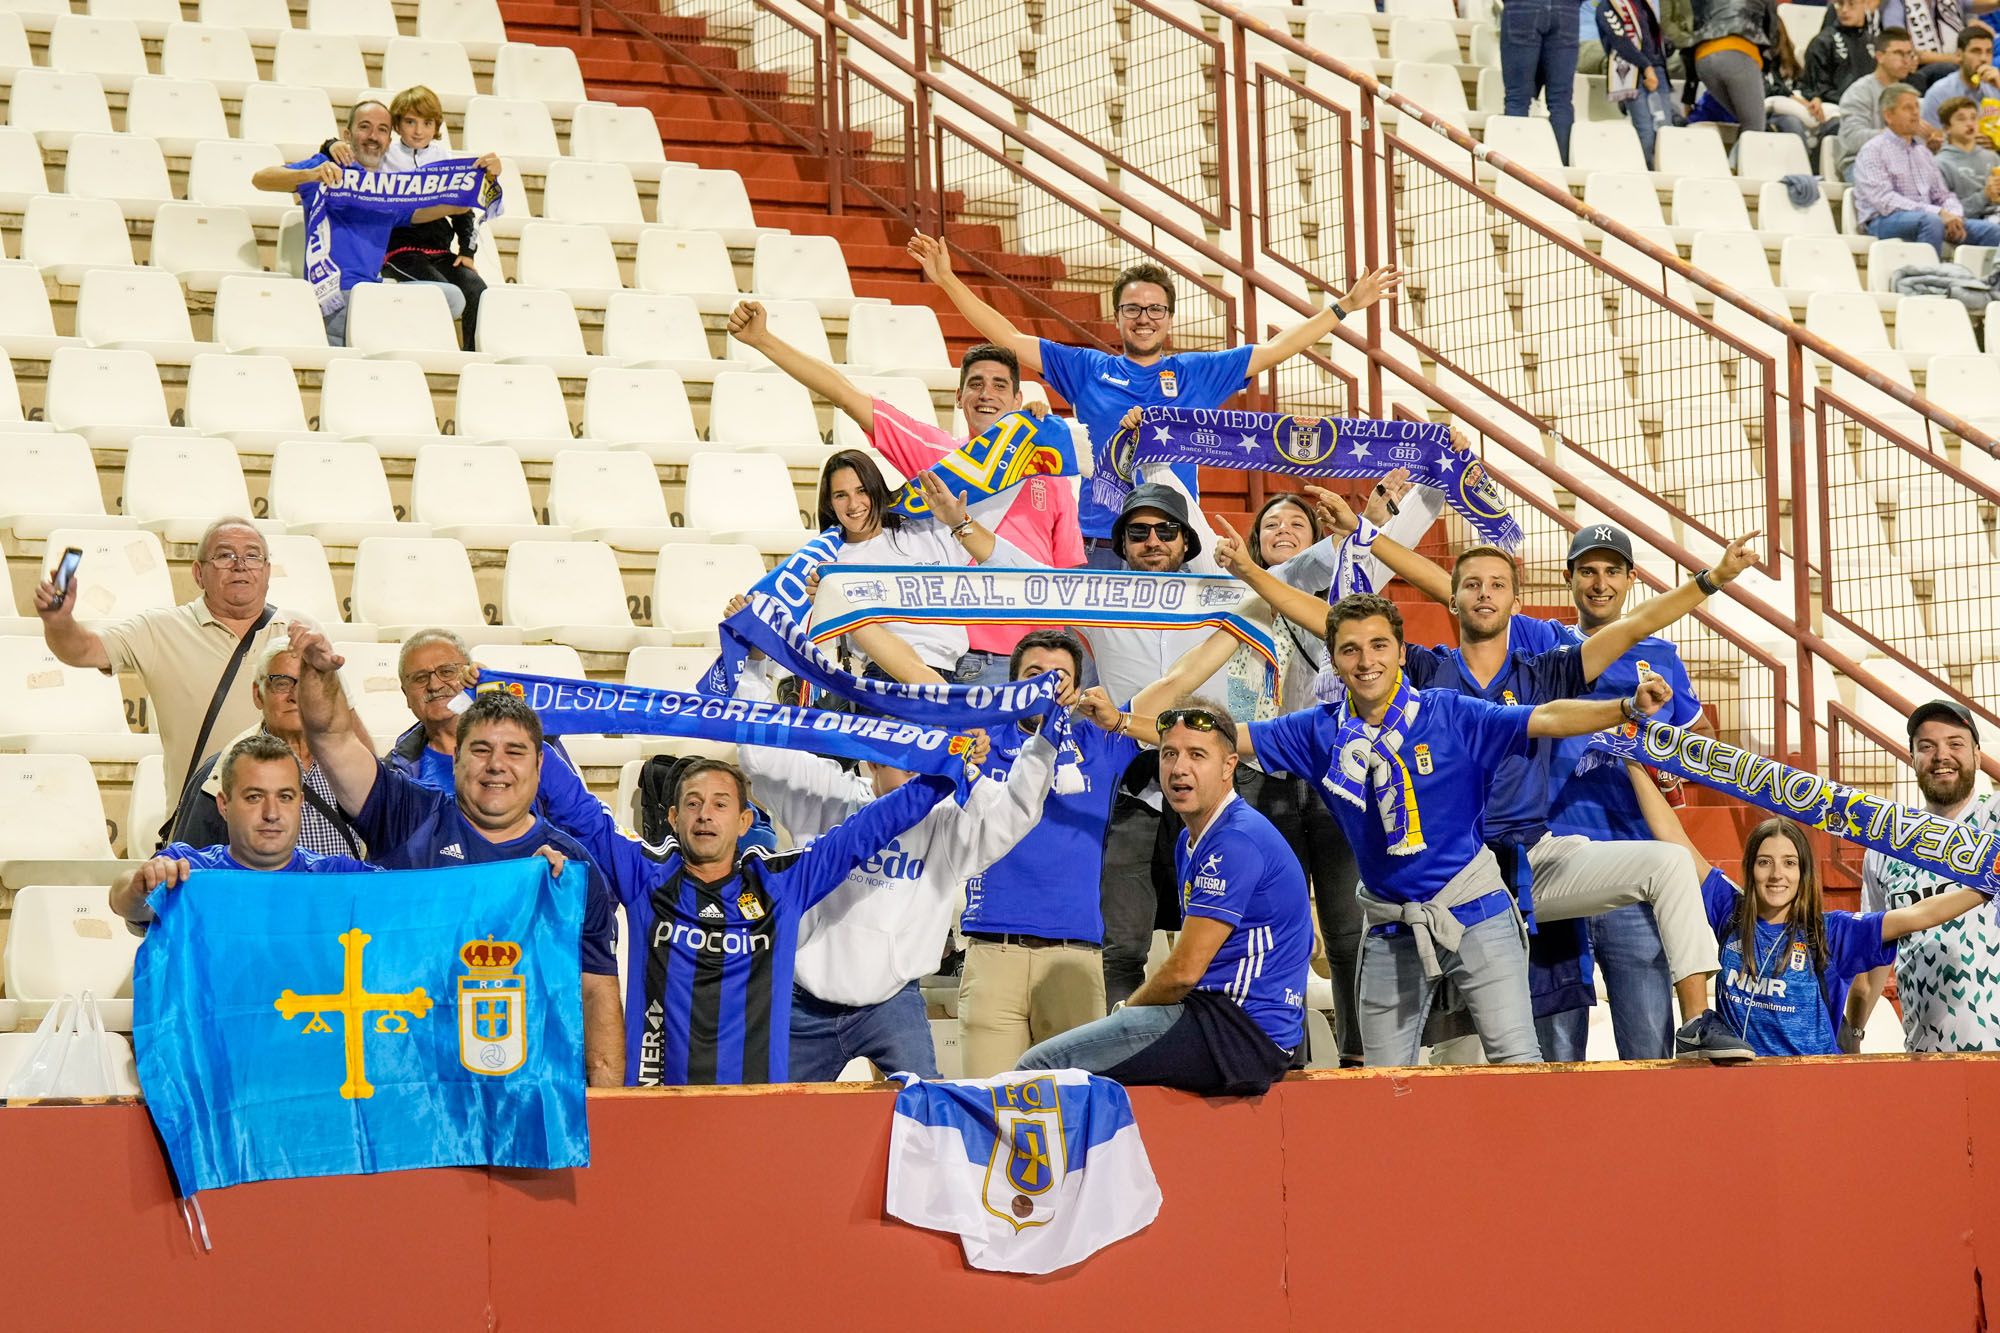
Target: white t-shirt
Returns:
[1947, 977]
[917, 542]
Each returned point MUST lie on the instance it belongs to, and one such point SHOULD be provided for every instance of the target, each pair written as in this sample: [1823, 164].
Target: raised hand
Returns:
[1739, 557]
[330, 174]
[1371, 288]
[1387, 495]
[933, 256]
[1096, 705]
[945, 507]
[1230, 550]
[1336, 516]
[748, 324]
[315, 651]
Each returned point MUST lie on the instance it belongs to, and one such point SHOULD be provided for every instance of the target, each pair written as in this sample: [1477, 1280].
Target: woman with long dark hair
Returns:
[1787, 960]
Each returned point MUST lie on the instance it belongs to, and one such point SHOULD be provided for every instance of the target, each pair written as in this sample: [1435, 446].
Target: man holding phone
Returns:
[192, 659]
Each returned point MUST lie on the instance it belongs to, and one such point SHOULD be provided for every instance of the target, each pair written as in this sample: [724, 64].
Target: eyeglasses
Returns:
[1166, 530]
[1136, 312]
[276, 684]
[448, 674]
[231, 560]
[1196, 719]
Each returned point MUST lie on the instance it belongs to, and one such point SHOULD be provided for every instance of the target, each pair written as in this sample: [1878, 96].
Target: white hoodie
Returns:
[886, 925]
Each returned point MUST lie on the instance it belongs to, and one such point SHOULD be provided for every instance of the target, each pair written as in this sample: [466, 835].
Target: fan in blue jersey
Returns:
[713, 933]
[1225, 1012]
[1100, 387]
[262, 797]
[1787, 961]
[491, 815]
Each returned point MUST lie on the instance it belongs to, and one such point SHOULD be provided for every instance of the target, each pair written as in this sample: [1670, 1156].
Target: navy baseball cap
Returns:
[1599, 537]
[1944, 710]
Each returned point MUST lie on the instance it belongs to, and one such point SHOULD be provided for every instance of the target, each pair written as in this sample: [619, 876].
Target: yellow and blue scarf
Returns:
[1368, 765]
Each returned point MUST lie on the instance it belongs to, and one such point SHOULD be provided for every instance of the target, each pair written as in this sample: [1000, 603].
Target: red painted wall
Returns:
[1788, 1195]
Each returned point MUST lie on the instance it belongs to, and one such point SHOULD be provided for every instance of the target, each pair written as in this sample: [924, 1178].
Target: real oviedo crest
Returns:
[492, 1008]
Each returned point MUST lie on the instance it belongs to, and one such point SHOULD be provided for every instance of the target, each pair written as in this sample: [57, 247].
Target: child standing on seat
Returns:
[423, 252]
[1786, 961]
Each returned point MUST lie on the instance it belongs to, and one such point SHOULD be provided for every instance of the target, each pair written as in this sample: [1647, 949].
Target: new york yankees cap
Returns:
[1599, 537]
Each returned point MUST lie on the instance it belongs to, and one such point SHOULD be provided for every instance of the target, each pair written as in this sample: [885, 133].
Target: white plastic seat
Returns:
[368, 678]
[27, 325]
[1770, 154]
[606, 132]
[180, 113]
[767, 413]
[520, 407]
[261, 20]
[611, 496]
[250, 400]
[549, 74]
[659, 331]
[201, 244]
[1817, 264]
[694, 264]
[22, 175]
[692, 585]
[601, 194]
[514, 128]
[219, 172]
[138, 309]
[126, 169]
[177, 485]
[900, 340]
[1689, 150]
[1736, 258]
[1777, 213]
[302, 581]
[65, 940]
[274, 314]
[335, 491]
[372, 23]
[571, 592]
[297, 118]
[698, 199]
[403, 584]
[106, 396]
[1605, 145]
[12, 422]
[641, 409]
[37, 16]
[474, 495]
[680, 667]
[744, 497]
[475, 25]
[108, 48]
[1627, 196]
[387, 403]
[55, 106]
[65, 236]
[123, 573]
[1885, 257]
[441, 66]
[51, 483]
[1965, 385]
[147, 808]
[804, 268]
[1708, 203]
[575, 258]
[524, 326]
[1927, 325]
[1851, 317]
[405, 321]
[218, 56]
[797, 322]
[153, 18]
[329, 61]
[51, 824]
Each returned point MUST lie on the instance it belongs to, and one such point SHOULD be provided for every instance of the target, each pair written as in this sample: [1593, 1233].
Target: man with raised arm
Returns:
[1100, 388]
[490, 815]
[1412, 775]
[1225, 1012]
[1038, 517]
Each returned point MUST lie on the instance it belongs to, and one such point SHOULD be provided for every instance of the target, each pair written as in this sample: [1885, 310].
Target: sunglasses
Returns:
[1196, 719]
[1166, 530]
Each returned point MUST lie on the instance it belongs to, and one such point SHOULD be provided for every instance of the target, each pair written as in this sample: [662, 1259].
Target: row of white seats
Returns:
[112, 49]
[474, 24]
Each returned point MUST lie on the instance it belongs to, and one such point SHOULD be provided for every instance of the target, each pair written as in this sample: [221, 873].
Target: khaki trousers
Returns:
[1011, 996]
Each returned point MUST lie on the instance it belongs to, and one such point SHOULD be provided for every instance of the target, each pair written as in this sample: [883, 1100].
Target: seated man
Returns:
[359, 231]
[490, 815]
[1225, 1013]
[1899, 192]
[323, 830]
[260, 800]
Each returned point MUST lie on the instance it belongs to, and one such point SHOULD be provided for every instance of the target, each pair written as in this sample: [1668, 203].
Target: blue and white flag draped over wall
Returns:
[316, 1025]
[1008, 452]
[851, 596]
[1295, 446]
[1930, 842]
[569, 707]
[1034, 1172]
[453, 181]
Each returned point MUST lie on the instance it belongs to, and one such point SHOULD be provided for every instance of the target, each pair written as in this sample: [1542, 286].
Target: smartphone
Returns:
[66, 573]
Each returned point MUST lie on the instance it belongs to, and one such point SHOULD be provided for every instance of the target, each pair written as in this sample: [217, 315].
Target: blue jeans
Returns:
[1538, 42]
[1107, 1043]
[1650, 113]
[1927, 225]
[980, 668]
[894, 1034]
[1641, 988]
[1490, 969]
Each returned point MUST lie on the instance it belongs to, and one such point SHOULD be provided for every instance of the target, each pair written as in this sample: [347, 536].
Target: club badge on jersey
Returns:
[1169, 386]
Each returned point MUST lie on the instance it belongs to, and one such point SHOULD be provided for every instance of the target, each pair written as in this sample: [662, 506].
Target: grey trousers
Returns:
[1735, 81]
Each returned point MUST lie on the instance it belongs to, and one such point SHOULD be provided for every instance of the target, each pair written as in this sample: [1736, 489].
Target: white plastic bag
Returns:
[68, 1059]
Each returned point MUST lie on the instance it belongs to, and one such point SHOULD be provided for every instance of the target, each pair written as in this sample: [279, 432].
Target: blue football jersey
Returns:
[1243, 872]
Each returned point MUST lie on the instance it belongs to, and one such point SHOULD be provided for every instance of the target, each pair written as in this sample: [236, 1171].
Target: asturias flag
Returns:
[314, 1025]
